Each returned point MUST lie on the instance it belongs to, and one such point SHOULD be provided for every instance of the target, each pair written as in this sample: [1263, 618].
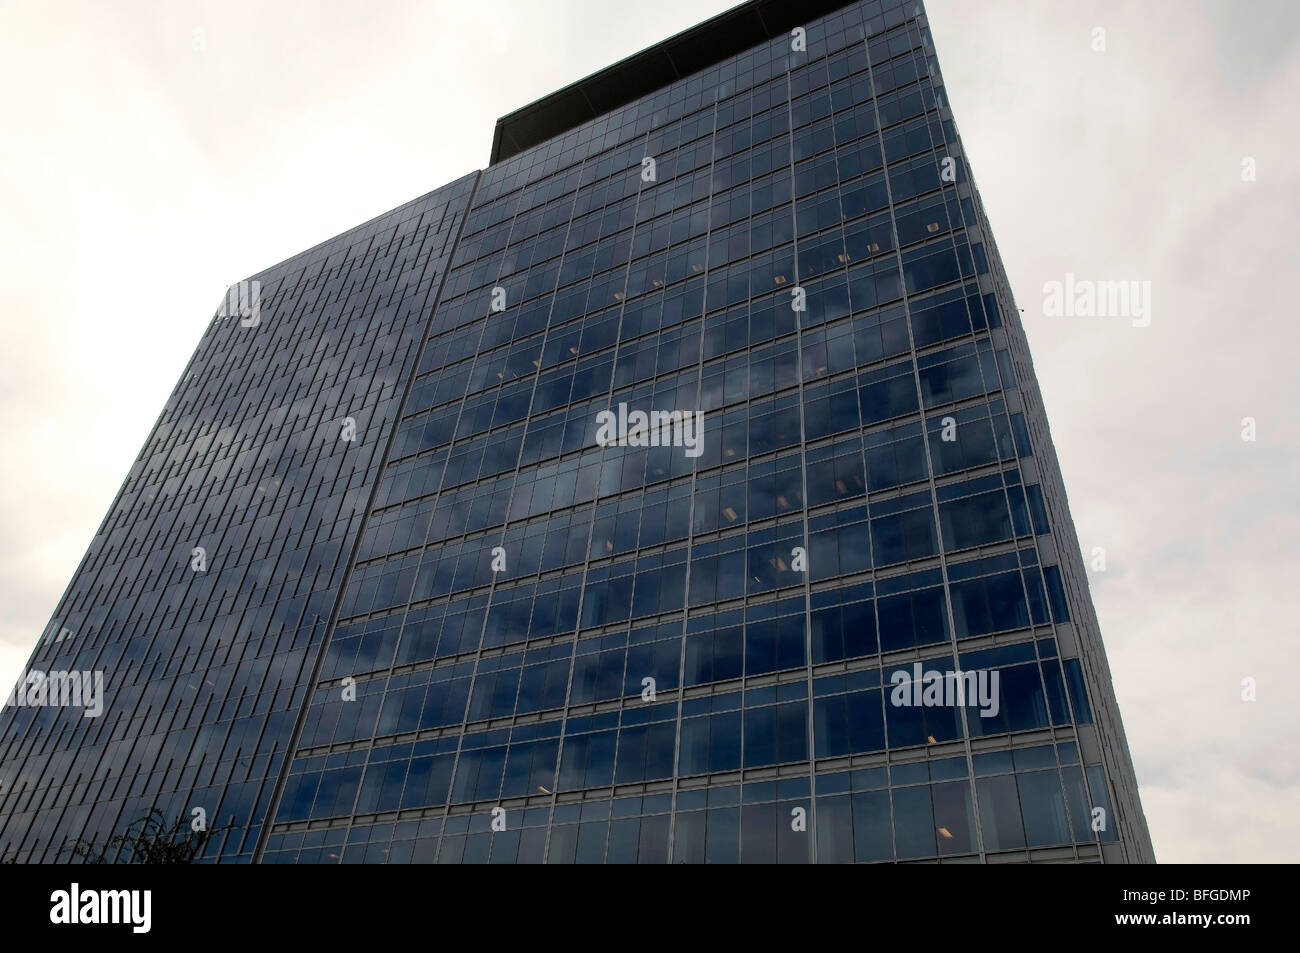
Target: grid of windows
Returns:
[826, 430]
[206, 664]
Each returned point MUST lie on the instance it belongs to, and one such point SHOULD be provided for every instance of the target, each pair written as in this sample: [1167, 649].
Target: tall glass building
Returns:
[677, 489]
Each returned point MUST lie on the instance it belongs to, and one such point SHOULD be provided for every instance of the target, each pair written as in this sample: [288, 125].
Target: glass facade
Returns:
[478, 633]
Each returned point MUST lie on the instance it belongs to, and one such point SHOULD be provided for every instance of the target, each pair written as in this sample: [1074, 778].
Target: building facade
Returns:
[676, 489]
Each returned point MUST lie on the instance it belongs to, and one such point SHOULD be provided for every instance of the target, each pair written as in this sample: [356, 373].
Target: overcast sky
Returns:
[153, 153]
